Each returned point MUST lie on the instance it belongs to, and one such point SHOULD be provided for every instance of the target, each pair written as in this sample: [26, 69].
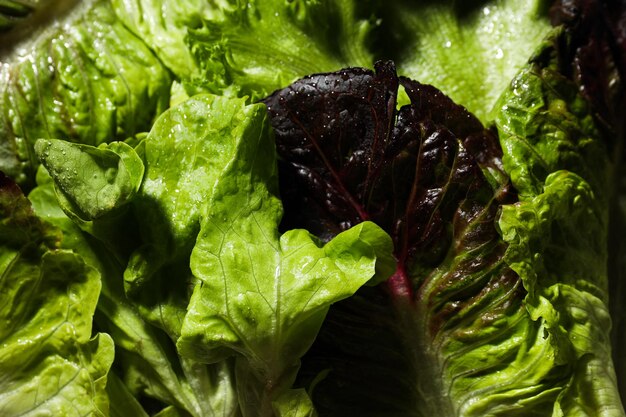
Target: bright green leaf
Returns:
[469, 50]
[91, 182]
[298, 38]
[146, 360]
[263, 296]
[87, 78]
[49, 362]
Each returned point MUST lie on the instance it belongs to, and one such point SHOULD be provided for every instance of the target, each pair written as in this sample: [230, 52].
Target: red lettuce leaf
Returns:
[429, 173]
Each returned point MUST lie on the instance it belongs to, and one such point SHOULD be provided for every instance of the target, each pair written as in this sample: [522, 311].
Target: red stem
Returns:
[399, 284]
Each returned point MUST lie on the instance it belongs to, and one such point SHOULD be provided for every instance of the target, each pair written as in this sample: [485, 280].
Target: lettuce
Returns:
[146, 326]
[301, 208]
[272, 292]
[508, 304]
[299, 38]
[49, 360]
[469, 50]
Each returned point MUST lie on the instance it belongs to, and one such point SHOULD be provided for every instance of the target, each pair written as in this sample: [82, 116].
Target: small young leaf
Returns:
[91, 182]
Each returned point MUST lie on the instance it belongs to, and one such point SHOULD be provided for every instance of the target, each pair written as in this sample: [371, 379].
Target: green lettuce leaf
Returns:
[262, 296]
[86, 78]
[255, 47]
[545, 125]
[111, 175]
[163, 26]
[187, 149]
[468, 50]
[152, 368]
[49, 362]
[162, 184]
[146, 362]
[558, 232]
[558, 247]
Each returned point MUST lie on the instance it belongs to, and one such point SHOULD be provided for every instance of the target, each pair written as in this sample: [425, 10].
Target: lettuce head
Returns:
[286, 208]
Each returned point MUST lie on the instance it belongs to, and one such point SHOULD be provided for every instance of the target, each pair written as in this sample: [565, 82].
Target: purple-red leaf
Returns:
[423, 172]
